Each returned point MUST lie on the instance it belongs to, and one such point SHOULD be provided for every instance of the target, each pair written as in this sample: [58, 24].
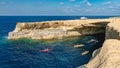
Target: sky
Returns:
[59, 7]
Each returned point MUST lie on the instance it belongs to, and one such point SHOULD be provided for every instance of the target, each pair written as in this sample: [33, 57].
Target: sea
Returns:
[25, 53]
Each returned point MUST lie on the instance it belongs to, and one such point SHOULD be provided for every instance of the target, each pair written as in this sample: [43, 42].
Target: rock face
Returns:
[58, 29]
[113, 31]
[108, 57]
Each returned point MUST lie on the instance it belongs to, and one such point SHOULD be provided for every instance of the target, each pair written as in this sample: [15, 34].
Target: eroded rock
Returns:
[108, 57]
[58, 29]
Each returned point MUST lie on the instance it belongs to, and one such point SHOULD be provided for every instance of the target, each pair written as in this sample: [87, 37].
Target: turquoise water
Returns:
[25, 53]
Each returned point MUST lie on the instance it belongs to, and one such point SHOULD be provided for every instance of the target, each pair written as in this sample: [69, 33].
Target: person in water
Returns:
[46, 50]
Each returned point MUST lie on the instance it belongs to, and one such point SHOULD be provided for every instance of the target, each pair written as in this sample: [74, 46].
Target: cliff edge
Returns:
[113, 31]
[108, 55]
[58, 29]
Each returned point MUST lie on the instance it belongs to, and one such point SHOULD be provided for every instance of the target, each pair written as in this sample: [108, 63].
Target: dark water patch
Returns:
[25, 53]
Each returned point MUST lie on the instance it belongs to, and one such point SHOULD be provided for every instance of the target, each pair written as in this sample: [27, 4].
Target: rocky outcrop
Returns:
[113, 31]
[108, 57]
[58, 29]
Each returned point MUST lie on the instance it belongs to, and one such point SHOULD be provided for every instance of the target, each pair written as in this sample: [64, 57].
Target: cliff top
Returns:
[115, 25]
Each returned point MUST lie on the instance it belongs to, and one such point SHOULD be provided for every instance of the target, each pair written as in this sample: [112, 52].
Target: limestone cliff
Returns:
[108, 57]
[58, 29]
[113, 31]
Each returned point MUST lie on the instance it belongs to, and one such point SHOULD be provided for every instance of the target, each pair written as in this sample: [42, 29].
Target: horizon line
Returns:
[59, 15]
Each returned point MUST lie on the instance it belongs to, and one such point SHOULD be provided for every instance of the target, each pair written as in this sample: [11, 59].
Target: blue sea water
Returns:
[25, 53]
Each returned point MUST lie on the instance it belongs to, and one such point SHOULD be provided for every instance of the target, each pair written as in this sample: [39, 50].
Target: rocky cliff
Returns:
[58, 29]
[108, 55]
[105, 57]
[113, 31]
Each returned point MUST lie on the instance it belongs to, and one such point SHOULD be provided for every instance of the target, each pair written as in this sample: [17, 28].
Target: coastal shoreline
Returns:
[69, 28]
[58, 29]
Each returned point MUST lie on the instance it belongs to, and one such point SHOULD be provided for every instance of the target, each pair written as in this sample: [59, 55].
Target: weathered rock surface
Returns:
[108, 57]
[58, 29]
[113, 31]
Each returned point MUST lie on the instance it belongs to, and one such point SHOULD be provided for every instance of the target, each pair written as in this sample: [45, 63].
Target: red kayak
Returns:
[45, 50]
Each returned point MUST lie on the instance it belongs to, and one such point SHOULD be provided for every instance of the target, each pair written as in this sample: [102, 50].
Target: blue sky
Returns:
[59, 7]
